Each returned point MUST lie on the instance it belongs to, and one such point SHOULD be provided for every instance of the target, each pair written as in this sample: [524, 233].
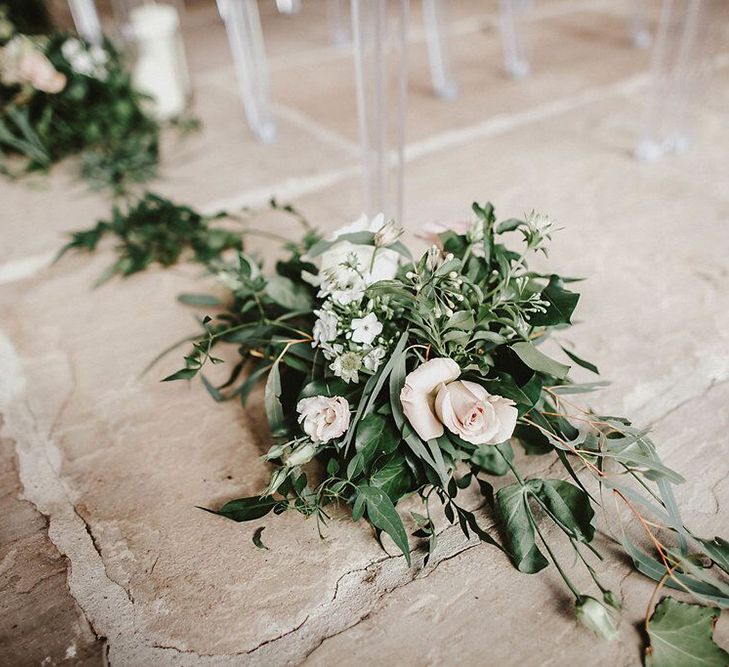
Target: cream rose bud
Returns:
[418, 395]
[469, 411]
[300, 455]
[323, 417]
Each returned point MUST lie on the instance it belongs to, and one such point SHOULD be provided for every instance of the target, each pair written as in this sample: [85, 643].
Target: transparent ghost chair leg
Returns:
[674, 71]
[86, 20]
[516, 59]
[639, 32]
[245, 36]
[380, 56]
[337, 15]
[288, 6]
[434, 20]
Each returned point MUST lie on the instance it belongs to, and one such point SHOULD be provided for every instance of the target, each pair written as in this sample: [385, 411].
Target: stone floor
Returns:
[103, 557]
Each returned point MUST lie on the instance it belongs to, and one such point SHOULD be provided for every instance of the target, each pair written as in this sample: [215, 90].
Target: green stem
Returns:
[562, 573]
[516, 473]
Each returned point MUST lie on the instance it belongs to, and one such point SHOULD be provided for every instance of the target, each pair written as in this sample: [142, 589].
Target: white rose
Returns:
[473, 414]
[419, 392]
[323, 418]
[432, 398]
[384, 266]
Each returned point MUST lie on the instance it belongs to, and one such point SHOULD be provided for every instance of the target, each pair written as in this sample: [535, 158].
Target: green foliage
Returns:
[383, 515]
[156, 230]
[681, 635]
[476, 302]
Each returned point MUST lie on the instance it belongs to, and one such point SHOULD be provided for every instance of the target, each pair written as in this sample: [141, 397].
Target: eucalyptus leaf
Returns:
[539, 361]
[288, 294]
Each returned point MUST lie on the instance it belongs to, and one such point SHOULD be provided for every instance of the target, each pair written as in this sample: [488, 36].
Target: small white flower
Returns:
[366, 329]
[347, 366]
[71, 48]
[373, 359]
[325, 327]
[388, 234]
[323, 418]
[344, 282]
[87, 62]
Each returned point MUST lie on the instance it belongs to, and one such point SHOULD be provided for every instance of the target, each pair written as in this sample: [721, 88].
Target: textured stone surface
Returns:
[40, 621]
[117, 462]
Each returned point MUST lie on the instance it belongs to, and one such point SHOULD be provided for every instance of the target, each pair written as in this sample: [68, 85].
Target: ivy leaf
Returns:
[538, 361]
[513, 507]
[567, 504]
[383, 515]
[681, 635]
[562, 304]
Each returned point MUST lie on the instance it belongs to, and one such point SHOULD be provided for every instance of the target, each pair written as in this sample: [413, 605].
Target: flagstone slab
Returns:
[117, 462]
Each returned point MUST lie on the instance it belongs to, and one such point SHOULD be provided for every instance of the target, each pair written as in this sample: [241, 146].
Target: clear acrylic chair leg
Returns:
[288, 6]
[516, 59]
[86, 20]
[245, 36]
[434, 20]
[639, 32]
[380, 56]
[674, 70]
[339, 24]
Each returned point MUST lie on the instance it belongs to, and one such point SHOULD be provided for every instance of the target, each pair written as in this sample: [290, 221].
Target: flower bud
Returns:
[388, 234]
[476, 232]
[593, 615]
[301, 455]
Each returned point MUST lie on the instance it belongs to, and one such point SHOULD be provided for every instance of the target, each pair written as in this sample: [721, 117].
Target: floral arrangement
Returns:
[61, 96]
[394, 383]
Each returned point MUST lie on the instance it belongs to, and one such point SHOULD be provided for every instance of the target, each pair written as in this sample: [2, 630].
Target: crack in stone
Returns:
[713, 384]
[281, 636]
[97, 548]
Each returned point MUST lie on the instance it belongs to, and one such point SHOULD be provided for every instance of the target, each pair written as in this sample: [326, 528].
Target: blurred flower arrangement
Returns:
[61, 96]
